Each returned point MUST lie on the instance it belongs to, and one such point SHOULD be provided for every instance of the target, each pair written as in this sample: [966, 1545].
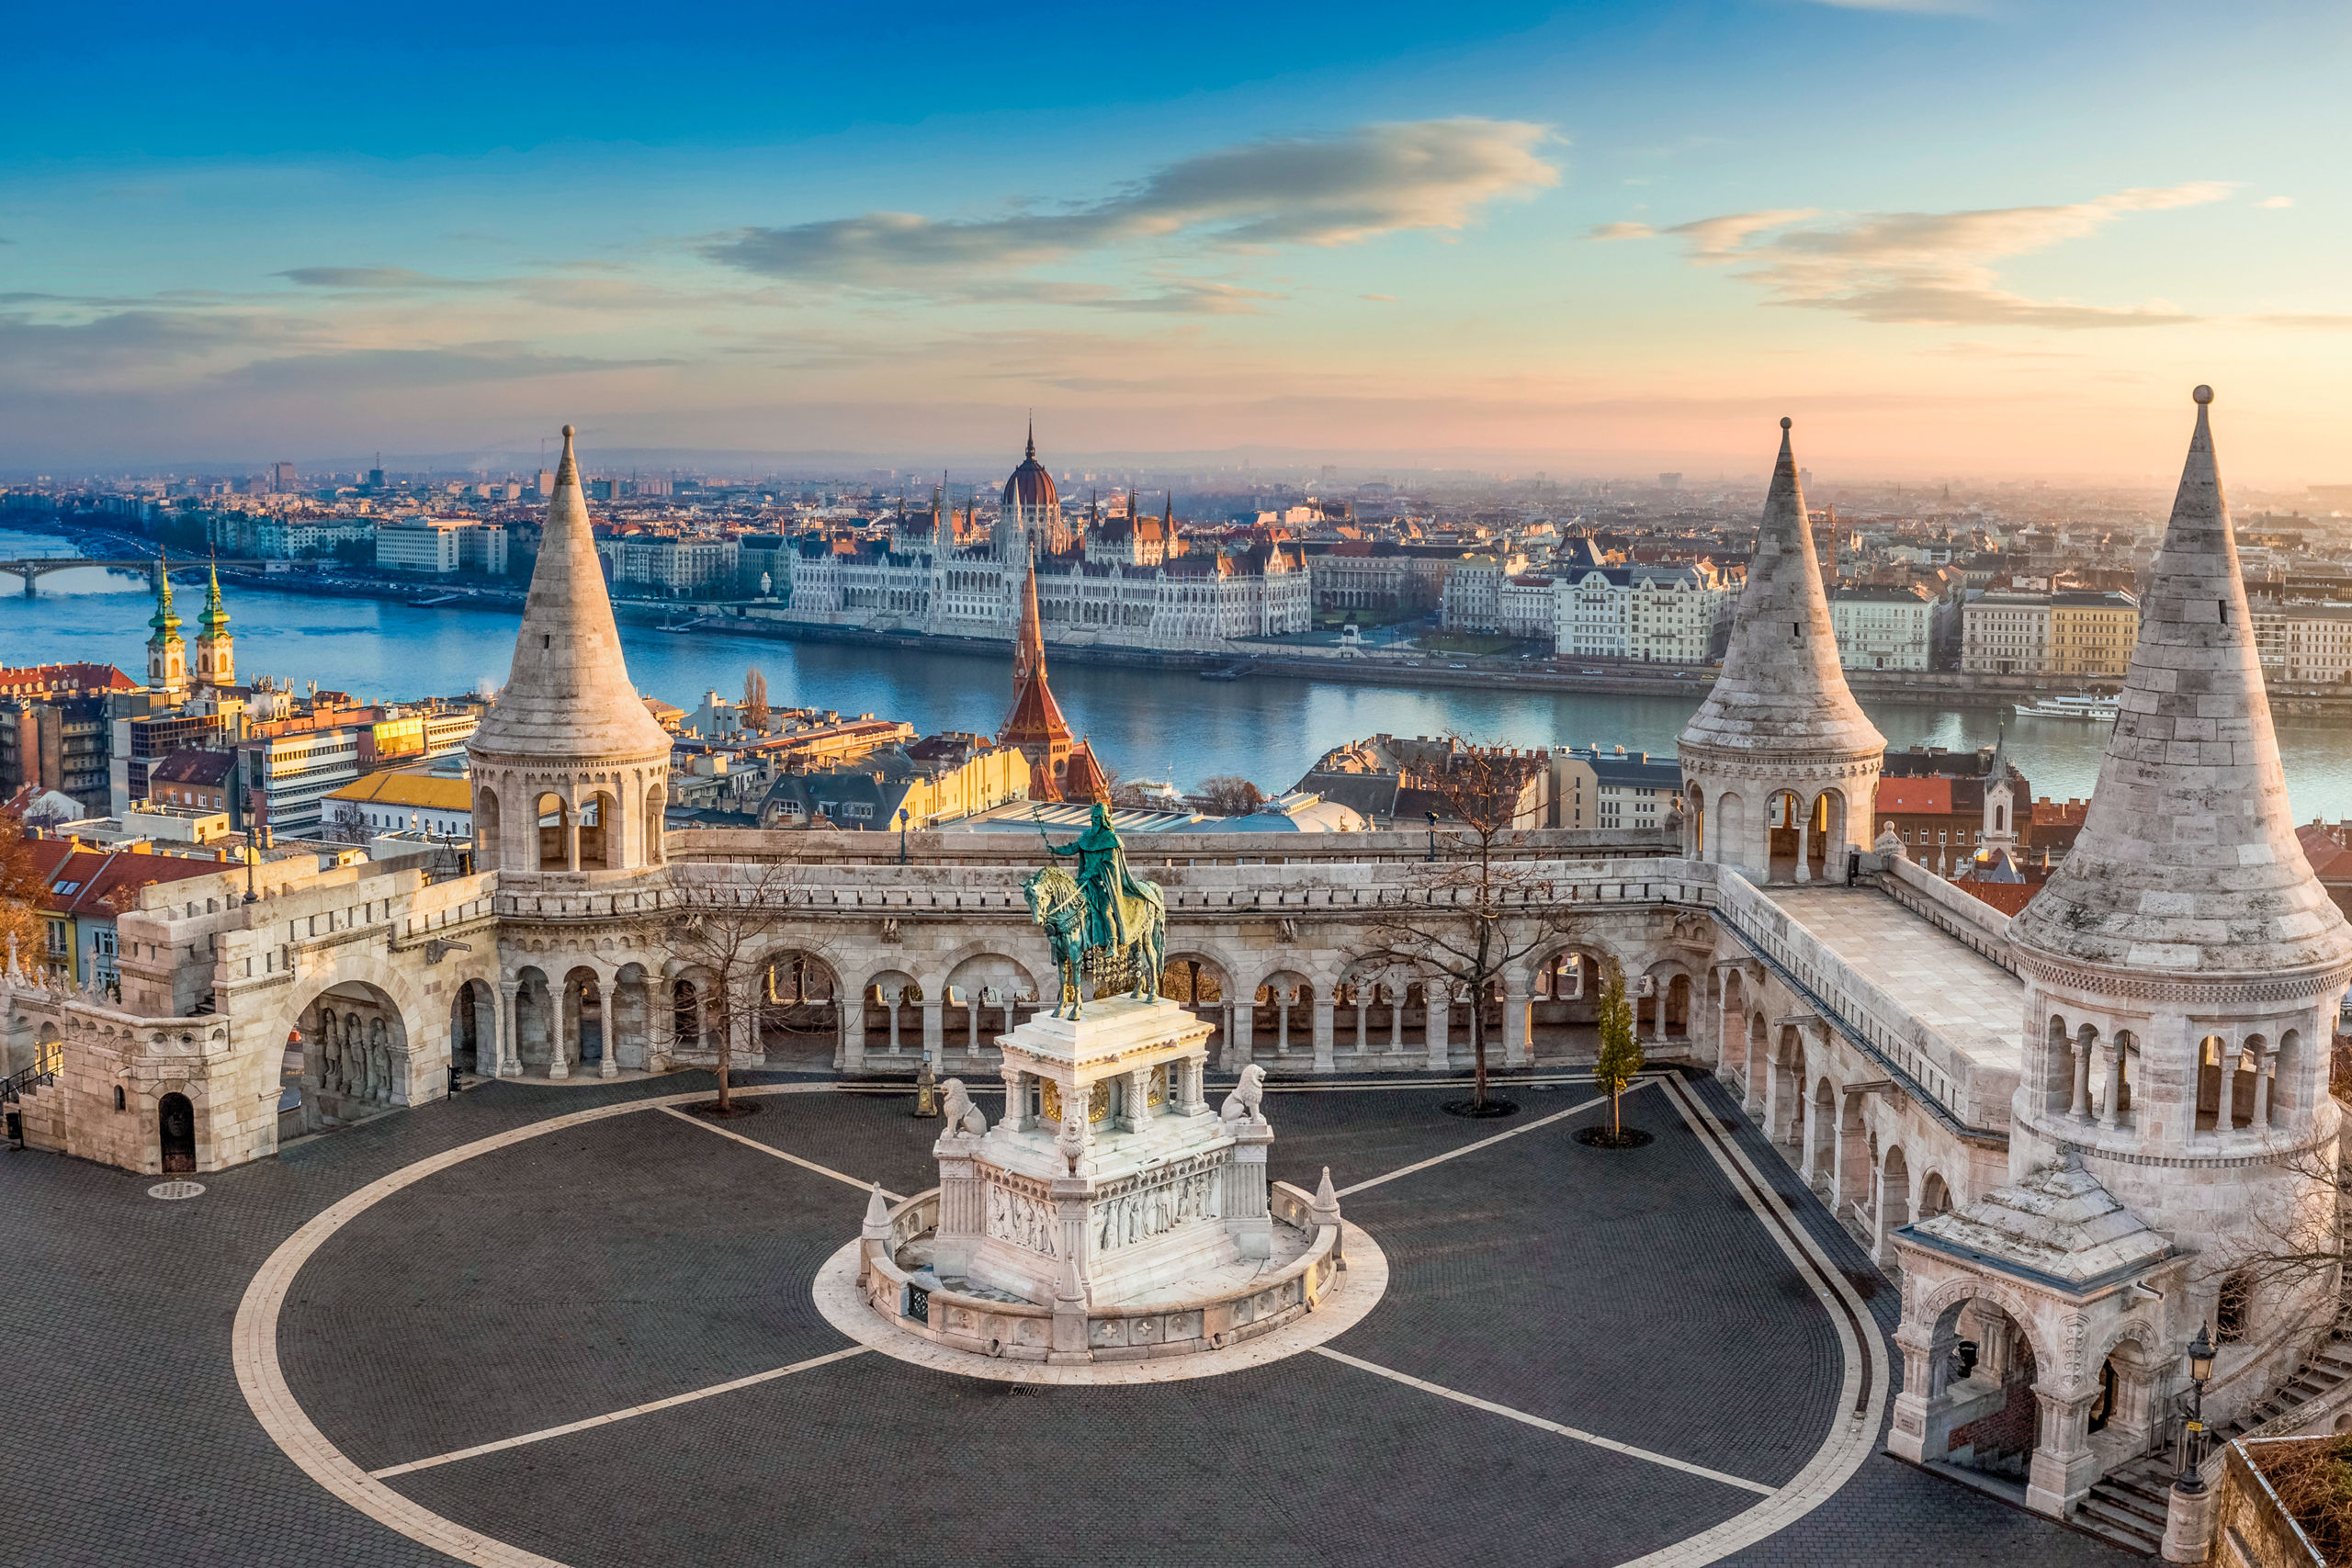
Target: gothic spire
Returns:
[1781, 692]
[567, 694]
[2188, 859]
[165, 620]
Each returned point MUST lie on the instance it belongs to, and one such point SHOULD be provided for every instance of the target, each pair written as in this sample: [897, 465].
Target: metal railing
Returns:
[45, 1069]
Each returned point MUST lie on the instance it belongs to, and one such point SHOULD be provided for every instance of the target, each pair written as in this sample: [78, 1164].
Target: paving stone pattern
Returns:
[1628, 1294]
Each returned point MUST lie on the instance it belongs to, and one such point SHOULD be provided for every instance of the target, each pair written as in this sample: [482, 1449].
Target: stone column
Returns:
[1909, 1436]
[1516, 1051]
[1804, 872]
[2081, 1108]
[2110, 1067]
[1017, 1098]
[934, 1028]
[1441, 1018]
[850, 1057]
[1361, 1009]
[1071, 1290]
[1397, 991]
[1323, 1061]
[891, 999]
[2263, 1064]
[506, 1041]
[960, 1198]
[570, 836]
[1775, 1114]
[1809, 1135]
[2063, 1466]
[1246, 1216]
[2225, 1104]
[607, 1003]
[972, 1026]
[1283, 1002]
[563, 1033]
[2189, 1524]
[1245, 1034]
[1852, 1176]
[1195, 1099]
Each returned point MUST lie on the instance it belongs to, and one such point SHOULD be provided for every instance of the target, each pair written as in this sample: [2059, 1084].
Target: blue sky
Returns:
[1993, 238]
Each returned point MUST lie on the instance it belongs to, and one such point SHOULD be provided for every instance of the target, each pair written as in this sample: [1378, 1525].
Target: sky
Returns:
[1978, 239]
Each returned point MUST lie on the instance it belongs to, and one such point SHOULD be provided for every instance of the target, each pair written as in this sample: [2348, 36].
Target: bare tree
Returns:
[1480, 909]
[756, 712]
[22, 889]
[725, 918]
[1230, 795]
[350, 825]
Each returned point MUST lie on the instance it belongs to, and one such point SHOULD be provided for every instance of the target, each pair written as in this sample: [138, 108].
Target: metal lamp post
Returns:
[2192, 1479]
[1433, 817]
[902, 835]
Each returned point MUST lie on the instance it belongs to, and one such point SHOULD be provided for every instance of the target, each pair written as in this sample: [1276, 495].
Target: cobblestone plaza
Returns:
[1582, 1356]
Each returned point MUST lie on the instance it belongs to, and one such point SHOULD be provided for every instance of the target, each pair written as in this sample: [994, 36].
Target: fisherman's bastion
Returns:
[1938, 1199]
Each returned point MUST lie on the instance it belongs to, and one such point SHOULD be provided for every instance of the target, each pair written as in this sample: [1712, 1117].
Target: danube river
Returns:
[1146, 724]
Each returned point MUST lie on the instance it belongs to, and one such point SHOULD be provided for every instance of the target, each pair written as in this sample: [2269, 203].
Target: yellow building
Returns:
[398, 801]
[2091, 635]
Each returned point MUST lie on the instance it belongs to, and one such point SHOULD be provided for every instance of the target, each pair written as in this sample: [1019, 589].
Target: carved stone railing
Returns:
[1021, 1331]
[1958, 915]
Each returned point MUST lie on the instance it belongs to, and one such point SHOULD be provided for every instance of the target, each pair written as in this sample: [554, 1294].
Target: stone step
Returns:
[2148, 1508]
[2125, 1529]
[2151, 1494]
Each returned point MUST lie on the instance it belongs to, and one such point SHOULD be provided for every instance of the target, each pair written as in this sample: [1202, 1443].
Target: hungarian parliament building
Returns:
[1127, 579]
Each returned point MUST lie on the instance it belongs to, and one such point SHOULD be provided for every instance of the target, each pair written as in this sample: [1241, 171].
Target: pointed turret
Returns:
[2187, 860]
[215, 657]
[567, 728]
[1781, 690]
[1035, 724]
[166, 649]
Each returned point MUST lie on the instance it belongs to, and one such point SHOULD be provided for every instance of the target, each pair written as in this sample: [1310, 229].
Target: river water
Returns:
[1146, 724]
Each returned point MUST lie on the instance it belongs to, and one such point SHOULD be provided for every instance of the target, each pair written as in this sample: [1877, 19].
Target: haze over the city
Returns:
[1990, 239]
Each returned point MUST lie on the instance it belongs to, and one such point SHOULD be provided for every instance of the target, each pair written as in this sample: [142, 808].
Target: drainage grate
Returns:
[171, 1191]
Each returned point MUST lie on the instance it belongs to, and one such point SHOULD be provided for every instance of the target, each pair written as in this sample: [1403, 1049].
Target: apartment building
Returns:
[1884, 627]
[2304, 642]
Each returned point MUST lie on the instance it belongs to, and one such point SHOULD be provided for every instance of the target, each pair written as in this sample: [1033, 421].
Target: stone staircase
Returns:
[2127, 1506]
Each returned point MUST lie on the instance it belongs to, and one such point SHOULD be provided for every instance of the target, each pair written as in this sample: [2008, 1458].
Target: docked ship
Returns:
[2086, 710]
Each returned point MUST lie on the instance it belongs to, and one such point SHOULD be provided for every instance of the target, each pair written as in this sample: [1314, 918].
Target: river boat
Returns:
[2082, 710]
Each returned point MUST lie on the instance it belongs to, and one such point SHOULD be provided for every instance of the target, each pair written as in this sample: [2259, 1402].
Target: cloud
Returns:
[2275, 201]
[1378, 179]
[1621, 231]
[1929, 267]
[389, 370]
[385, 277]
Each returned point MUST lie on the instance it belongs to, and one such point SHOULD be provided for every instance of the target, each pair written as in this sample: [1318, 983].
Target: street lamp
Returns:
[2200, 1368]
[1433, 817]
[902, 835]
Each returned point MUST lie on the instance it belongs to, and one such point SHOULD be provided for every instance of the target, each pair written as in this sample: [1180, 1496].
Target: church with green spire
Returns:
[216, 654]
[166, 649]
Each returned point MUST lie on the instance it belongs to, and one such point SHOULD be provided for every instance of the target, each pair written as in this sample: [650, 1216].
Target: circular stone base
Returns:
[1471, 1107]
[1361, 1284]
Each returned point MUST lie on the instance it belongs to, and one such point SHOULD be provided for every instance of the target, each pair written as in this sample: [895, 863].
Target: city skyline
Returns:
[1947, 239]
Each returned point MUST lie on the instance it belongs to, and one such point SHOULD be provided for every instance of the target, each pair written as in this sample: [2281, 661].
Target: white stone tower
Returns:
[1998, 830]
[2184, 966]
[1779, 766]
[570, 771]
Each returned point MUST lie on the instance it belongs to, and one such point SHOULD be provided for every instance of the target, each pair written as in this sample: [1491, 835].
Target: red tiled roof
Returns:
[1915, 796]
[103, 881]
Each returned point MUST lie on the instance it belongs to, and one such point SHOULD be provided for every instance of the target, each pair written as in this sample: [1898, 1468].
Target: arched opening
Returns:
[1982, 1391]
[1894, 1200]
[1784, 821]
[2103, 1402]
[1561, 1009]
[1726, 847]
[689, 1027]
[555, 833]
[1198, 984]
[2277, 1080]
[993, 994]
[1824, 844]
[1731, 1040]
[472, 1024]
[2210, 1051]
[2125, 1068]
[2246, 1083]
[2233, 1308]
[2061, 1074]
[355, 1057]
[1694, 840]
[1820, 1150]
[584, 1019]
[1678, 1008]
[535, 1026]
[485, 815]
[175, 1130]
[1935, 1197]
[893, 1014]
[799, 1008]
[1785, 1098]
[1282, 1020]
[656, 802]
[600, 833]
[1751, 1065]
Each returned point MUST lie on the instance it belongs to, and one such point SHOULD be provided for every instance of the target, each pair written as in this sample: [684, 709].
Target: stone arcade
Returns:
[2064, 1133]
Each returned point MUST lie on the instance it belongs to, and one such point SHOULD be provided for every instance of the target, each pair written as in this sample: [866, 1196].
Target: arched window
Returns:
[2233, 1308]
[119, 1103]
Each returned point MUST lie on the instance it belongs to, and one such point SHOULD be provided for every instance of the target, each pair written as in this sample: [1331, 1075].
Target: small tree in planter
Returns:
[1621, 1050]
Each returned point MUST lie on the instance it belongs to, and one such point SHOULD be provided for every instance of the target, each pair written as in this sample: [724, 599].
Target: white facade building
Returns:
[1651, 614]
[2005, 634]
[680, 566]
[419, 544]
[1885, 627]
[2304, 642]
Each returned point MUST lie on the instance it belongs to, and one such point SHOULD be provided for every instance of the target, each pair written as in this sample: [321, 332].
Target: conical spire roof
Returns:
[215, 619]
[2187, 860]
[568, 694]
[165, 620]
[1781, 692]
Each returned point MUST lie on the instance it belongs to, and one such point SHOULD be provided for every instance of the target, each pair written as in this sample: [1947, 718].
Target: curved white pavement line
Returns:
[254, 1348]
[1362, 1284]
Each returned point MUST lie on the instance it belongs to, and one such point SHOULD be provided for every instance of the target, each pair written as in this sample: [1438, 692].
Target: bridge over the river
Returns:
[32, 568]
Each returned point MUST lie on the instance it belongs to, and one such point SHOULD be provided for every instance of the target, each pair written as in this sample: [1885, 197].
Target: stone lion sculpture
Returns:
[963, 1116]
[1241, 1105]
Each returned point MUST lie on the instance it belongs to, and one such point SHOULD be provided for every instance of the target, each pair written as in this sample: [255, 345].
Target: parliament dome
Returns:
[1031, 487]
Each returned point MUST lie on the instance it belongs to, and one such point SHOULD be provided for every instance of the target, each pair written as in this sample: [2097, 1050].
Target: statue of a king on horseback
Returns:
[1104, 908]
